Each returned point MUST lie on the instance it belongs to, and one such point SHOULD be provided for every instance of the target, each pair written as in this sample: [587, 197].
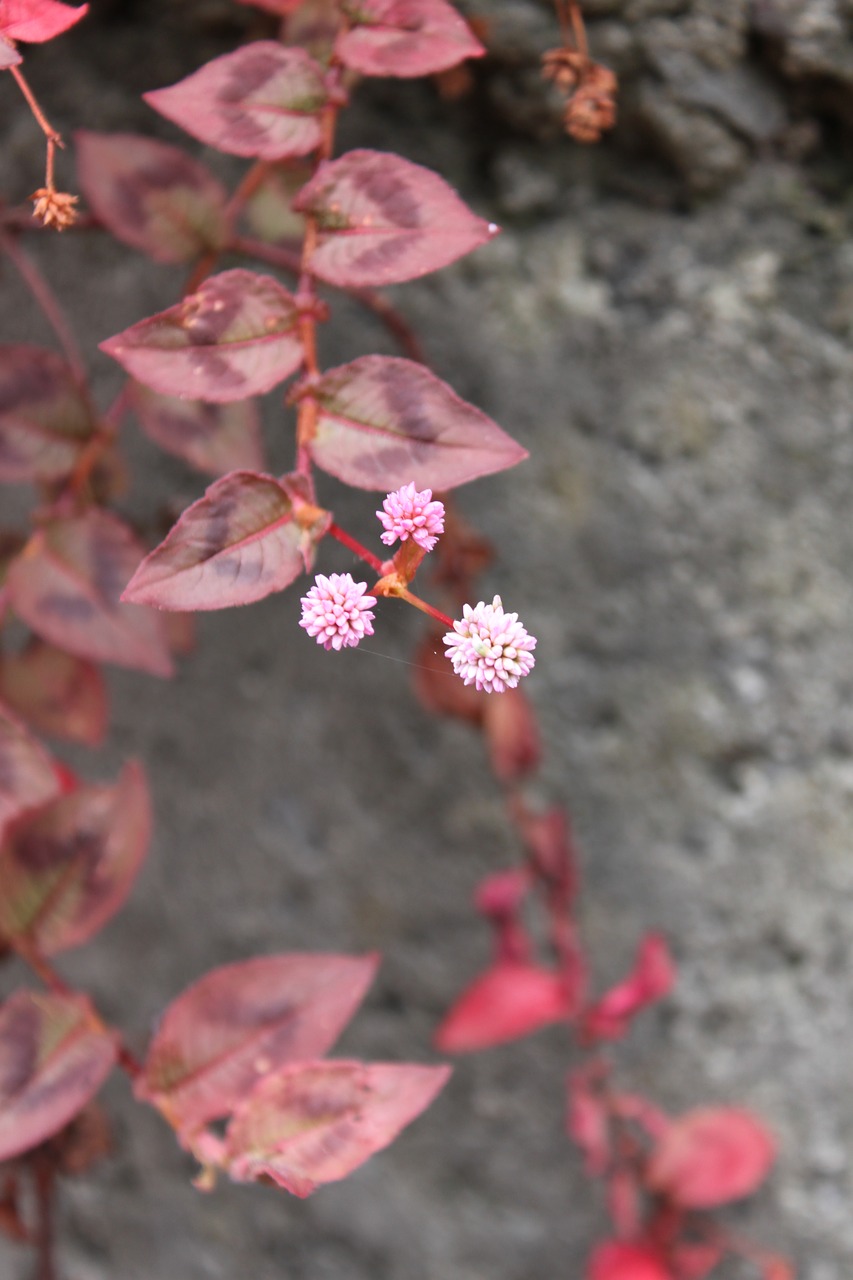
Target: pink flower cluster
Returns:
[487, 647]
[409, 514]
[337, 612]
[490, 648]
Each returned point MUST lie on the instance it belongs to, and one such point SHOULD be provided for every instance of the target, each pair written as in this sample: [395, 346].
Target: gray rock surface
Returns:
[680, 541]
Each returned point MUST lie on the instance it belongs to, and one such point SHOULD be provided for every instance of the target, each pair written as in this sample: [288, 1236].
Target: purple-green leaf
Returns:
[151, 195]
[215, 438]
[237, 544]
[241, 1021]
[68, 867]
[315, 1122]
[53, 1060]
[45, 419]
[383, 422]
[383, 219]
[67, 584]
[27, 775]
[55, 692]
[404, 37]
[238, 336]
[262, 100]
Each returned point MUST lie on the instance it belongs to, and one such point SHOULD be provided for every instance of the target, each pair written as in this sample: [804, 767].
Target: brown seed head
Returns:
[54, 208]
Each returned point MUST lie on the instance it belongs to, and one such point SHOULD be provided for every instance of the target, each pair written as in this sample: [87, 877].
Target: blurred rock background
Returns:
[665, 323]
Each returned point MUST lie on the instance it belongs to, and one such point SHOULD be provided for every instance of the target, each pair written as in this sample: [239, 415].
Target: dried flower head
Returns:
[54, 208]
[490, 648]
[337, 612]
[592, 109]
[409, 514]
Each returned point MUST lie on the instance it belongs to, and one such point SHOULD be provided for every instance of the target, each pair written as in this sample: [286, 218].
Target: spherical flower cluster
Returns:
[490, 648]
[409, 514]
[337, 612]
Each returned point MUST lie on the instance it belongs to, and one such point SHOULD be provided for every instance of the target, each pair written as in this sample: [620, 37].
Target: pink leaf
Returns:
[507, 1002]
[213, 438]
[45, 420]
[9, 56]
[710, 1156]
[262, 100]
[242, 1021]
[652, 978]
[53, 1060]
[67, 868]
[238, 336]
[316, 1122]
[618, 1260]
[27, 775]
[151, 196]
[34, 21]
[404, 37]
[383, 422]
[237, 544]
[383, 219]
[66, 586]
[55, 692]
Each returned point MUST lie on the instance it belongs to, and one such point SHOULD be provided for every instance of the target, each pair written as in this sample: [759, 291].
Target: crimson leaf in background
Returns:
[711, 1155]
[27, 775]
[507, 1002]
[55, 692]
[214, 438]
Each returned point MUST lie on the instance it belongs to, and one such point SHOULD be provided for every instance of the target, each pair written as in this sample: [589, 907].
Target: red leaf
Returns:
[237, 336]
[242, 1021]
[693, 1260]
[440, 691]
[27, 775]
[151, 196]
[710, 1156]
[383, 421]
[213, 438]
[66, 869]
[55, 692]
[512, 735]
[262, 100]
[383, 219]
[316, 1122]
[44, 418]
[9, 56]
[404, 37]
[652, 978]
[237, 544]
[34, 21]
[66, 586]
[617, 1260]
[53, 1059]
[507, 1002]
[588, 1119]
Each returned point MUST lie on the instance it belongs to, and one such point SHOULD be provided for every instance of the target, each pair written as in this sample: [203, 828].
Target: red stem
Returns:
[353, 545]
[44, 1178]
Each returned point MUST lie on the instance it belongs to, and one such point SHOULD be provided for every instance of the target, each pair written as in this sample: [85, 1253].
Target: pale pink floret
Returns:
[337, 612]
[409, 514]
[490, 648]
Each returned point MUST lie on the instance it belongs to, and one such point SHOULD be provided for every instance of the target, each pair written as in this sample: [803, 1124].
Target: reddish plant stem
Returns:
[54, 139]
[48, 304]
[44, 1180]
[245, 189]
[418, 603]
[352, 544]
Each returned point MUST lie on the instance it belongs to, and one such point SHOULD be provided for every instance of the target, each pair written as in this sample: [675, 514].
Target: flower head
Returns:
[490, 648]
[337, 612]
[408, 514]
